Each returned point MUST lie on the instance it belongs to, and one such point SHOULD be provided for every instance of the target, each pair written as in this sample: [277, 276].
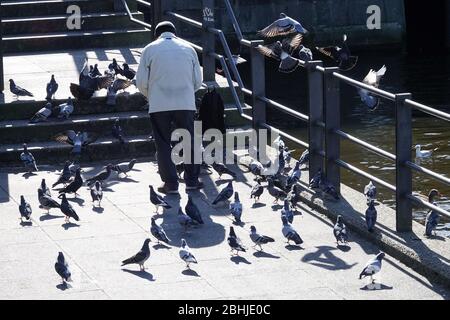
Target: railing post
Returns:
[208, 41]
[315, 103]
[403, 147]
[332, 123]
[156, 13]
[2, 83]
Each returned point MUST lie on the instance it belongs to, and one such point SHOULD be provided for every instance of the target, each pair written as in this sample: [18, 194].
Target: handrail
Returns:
[130, 15]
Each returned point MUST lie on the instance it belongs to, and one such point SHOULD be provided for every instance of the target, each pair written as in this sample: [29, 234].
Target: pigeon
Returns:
[341, 55]
[24, 209]
[257, 191]
[236, 208]
[128, 72]
[281, 163]
[43, 114]
[287, 155]
[121, 84]
[77, 140]
[184, 220]
[52, 87]
[370, 191]
[47, 202]
[75, 185]
[274, 191]
[225, 194]
[28, 160]
[259, 239]
[66, 109]
[234, 242]
[102, 176]
[158, 232]
[97, 193]
[18, 91]
[289, 232]
[117, 131]
[89, 84]
[284, 26]
[372, 267]
[432, 218]
[140, 257]
[372, 79]
[186, 254]
[73, 168]
[62, 268]
[256, 167]
[304, 158]
[294, 175]
[114, 66]
[192, 211]
[111, 96]
[222, 169]
[95, 72]
[157, 200]
[67, 209]
[281, 51]
[279, 143]
[421, 154]
[124, 167]
[44, 188]
[287, 211]
[305, 54]
[340, 231]
[294, 195]
[329, 189]
[316, 180]
[64, 177]
[371, 216]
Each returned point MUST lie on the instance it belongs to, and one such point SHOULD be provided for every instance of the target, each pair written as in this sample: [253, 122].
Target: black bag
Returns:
[211, 111]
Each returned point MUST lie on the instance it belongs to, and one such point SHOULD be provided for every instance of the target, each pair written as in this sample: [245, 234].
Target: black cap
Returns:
[165, 26]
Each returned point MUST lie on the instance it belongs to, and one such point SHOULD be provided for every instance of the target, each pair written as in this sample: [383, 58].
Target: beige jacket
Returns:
[169, 73]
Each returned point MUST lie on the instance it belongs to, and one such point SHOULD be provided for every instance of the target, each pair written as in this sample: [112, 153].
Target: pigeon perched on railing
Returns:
[18, 91]
[43, 114]
[186, 254]
[124, 167]
[370, 191]
[257, 191]
[25, 209]
[128, 72]
[235, 243]
[66, 109]
[62, 268]
[283, 26]
[192, 211]
[47, 202]
[223, 169]
[372, 79]
[287, 212]
[340, 231]
[28, 160]
[341, 55]
[282, 51]
[140, 257]
[88, 84]
[236, 208]
[78, 140]
[371, 216]
[75, 185]
[117, 131]
[274, 191]
[372, 267]
[158, 232]
[52, 87]
[289, 232]
[225, 194]
[305, 54]
[97, 193]
[259, 239]
[157, 200]
[67, 209]
[44, 188]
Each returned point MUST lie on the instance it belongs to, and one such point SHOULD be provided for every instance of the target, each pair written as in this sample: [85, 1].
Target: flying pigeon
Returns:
[157, 200]
[234, 242]
[316, 180]
[75, 185]
[259, 239]
[43, 114]
[274, 191]
[28, 159]
[294, 175]
[372, 267]
[287, 211]
[44, 188]
[305, 53]
[52, 87]
[225, 194]
[431, 222]
[128, 72]
[340, 231]
[282, 51]
[184, 220]
[117, 131]
[341, 55]
[102, 176]
[47, 202]
[97, 193]
[236, 208]
[62, 268]
[421, 154]
[222, 169]
[24, 209]
[66, 109]
[294, 195]
[18, 91]
[370, 191]
[77, 140]
[186, 254]
[371, 216]
[158, 232]
[285, 25]
[192, 211]
[140, 257]
[88, 84]
[67, 209]
[372, 79]
[124, 167]
[257, 191]
[304, 158]
[64, 177]
[289, 232]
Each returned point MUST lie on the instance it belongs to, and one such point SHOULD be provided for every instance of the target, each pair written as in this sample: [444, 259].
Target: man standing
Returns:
[168, 75]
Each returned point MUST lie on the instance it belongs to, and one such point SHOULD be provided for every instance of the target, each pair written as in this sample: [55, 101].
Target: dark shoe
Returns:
[197, 186]
[167, 190]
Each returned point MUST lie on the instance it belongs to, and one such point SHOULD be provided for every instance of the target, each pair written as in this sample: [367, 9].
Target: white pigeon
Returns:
[370, 191]
[186, 254]
[372, 79]
[372, 267]
[423, 153]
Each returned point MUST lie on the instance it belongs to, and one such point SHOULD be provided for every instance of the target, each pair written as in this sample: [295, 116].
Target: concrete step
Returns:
[76, 40]
[58, 23]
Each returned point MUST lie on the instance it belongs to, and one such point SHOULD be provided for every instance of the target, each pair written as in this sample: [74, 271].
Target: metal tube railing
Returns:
[2, 83]
[426, 171]
[130, 16]
[286, 135]
[428, 110]
[285, 109]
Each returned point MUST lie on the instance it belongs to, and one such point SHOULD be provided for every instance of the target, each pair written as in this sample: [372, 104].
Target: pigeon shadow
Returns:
[222, 181]
[344, 247]
[277, 207]
[70, 225]
[190, 272]
[28, 175]
[324, 258]
[78, 201]
[63, 286]
[46, 217]
[292, 247]
[98, 209]
[239, 259]
[262, 254]
[258, 205]
[382, 287]
[161, 246]
[239, 224]
[26, 223]
[141, 274]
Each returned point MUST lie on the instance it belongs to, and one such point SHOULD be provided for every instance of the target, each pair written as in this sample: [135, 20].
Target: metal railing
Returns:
[2, 82]
[130, 14]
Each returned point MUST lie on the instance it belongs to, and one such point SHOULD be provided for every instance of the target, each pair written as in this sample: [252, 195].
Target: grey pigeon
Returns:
[287, 155]
[186, 254]
[274, 191]
[121, 84]
[315, 181]
[304, 158]
[114, 66]
[97, 193]
[62, 268]
[24, 209]
[372, 267]
[117, 131]
[235, 243]
[305, 54]
[158, 232]
[289, 232]
[140, 257]
[341, 55]
[294, 175]
[370, 191]
[67, 209]
[66, 109]
[225, 194]
[192, 211]
[64, 177]
[222, 169]
[371, 216]
[95, 72]
[47, 202]
[257, 191]
[256, 167]
[281, 163]
[128, 72]
[372, 79]
[329, 189]
[52, 87]
[294, 195]
[28, 160]
[43, 114]
[340, 231]
[281, 51]
[283, 26]
[18, 91]
[184, 220]
[236, 208]
[88, 84]
[101, 176]
[287, 211]
[259, 239]
[157, 200]
[44, 188]
[124, 167]
[78, 140]
[431, 222]
[75, 185]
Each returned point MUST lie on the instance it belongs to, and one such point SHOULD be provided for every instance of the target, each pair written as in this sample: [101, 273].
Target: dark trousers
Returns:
[163, 123]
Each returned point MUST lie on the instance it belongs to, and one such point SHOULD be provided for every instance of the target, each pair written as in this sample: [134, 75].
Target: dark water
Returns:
[427, 77]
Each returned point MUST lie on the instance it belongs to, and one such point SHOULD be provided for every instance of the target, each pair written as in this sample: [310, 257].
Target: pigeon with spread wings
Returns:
[89, 84]
[372, 79]
[283, 26]
[281, 51]
[342, 55]
[77, 140]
